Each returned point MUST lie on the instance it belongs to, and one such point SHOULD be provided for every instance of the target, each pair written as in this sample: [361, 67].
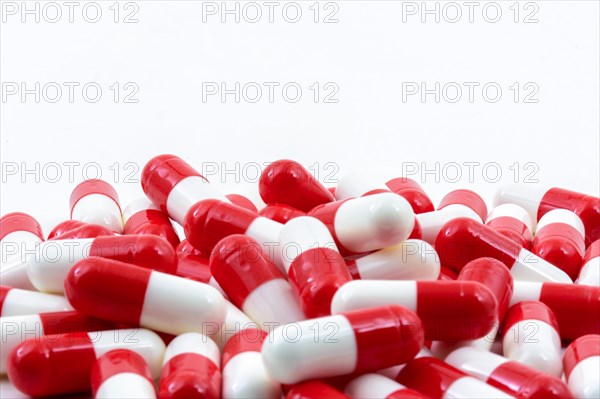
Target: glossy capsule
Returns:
[191, 368]
[410, 260]
[62, 364]
[353, 342]
[17, 302]
[143, 217]
[367, 223]
[562, 299]
[465, 197]
[315, 390]
[530, 336]
[411, 191]
[376, 386]
[287, 182]
[280, 213]
[83, 230]
[431, 222]
[242, 201]
[539, 201]
[244, 373]
[450, 310]
[122, 373]
[63, 227]
[590, 266]
[95, 201]
[513, 377]
[47, 268]
[512, 221]
[463, 240]
[125, 293]
[174, 186]
[16, 329]
[314, 267]
[582, 366]
[235, 322]
[253, 282]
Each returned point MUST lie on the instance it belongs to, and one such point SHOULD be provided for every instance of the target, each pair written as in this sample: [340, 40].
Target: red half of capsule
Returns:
[468, 198]
[513, 229]
[525, 382]
[529, 310]
[241, 201]
[92, 186]
[18, 221]
[247, 340]
[580, 349]
[314, 390]
[429, 376]
[413, 193]
[87, 230]
[118, 361]
[190, 375]
[185, 247]
[154, 222]
[561, 245]
[64, 227]
[194, 267]
[70, 322]
[447, 274]
[280, 213]
[592, 252]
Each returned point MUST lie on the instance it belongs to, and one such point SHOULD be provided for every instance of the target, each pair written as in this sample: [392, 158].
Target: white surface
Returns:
[513, 211]
[266, 233]
[126, 385]
[22, 302]
[273, 302]
[469, 387]
[526, 291]
[530, 267]
[245, 376]
[137, 205]
[583, 381]
[369, 53]
[235, 321]
[361, 294]
[99, 209]
[373, 386]
[590, 273]
[562, 216]
[478, 363]
[196, 343]
[186, 193]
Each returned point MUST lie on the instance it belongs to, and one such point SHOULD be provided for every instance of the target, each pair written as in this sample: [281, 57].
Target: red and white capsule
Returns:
[465, 197]
[280, 213]
[563, 299]
[125, 293]
[173, 185]
[367, 223]
[463, 240]
[362, 341]
[582, 366]
[314, 389]
[143, 217]
[513, 222]
[510, 376]
[64, 227]
[122, 373]
[449, 310]
[410, 260]
[411, 191]
[439, 380]
[74, 229]
[253, 282]
[376, 386]
[95, 201]
[47, 268]
[530, 336]
[191, 368]
[431, 222]
[244, 372]
[539, 200]
[62, 364]
[17, 302]
[314, 267]
[590, 266]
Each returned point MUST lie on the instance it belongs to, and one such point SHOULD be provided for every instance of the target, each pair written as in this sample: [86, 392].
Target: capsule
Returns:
[191, 368]
[353, 342]
[287, 182]
[367, 223]
[244, 373]
[173, 185]
[95, 201]
[253, 282]
[512, 221]
[235, 321]
[538, 201]
[20, 234]
[125, 293]
[447, 274]
[463, 240]
[590, 266]
[512, 377]
[439, 380]
[409, 260]
[465, 197]
[64, 227]
[209, 221]
[122, 373]
[48, 267]
[411, 191]
[315, 390]
[562, 299]
[84, 230]
[314, 267]
[16, 329]
[242, 201]
[17, 302]
[185, 248]
[376, 386]
[530, 336]
[143, 217]
[431, 222]
[61, 364]
[450, 310]
[581, 363]
[280, 213]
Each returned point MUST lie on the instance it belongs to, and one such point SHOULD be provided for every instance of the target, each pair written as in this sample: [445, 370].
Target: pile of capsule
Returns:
[364, 290]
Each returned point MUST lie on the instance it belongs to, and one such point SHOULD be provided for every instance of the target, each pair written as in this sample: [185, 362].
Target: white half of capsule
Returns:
[194, 343]
[245, 376]
[20, 302]
[16, 329]
[316, 348]
[15, 247]
[14, 274]
[410, 260]
[476, 362]
[273, 302]
[361, 294]
[126, 385]
[583, 381]
[530, 267]
[526, 291]
[431, 222]
[528, 197]
[138, 205]
[176, 305]
[356, 185]
[371, 385]
[266, 232]
[235, 321]
[470, 387]
[512, 211]
[590, 273]
[534, 343]
[562, 216]
[300, 235]
[98, 209]
[186, 193]
[47, 269]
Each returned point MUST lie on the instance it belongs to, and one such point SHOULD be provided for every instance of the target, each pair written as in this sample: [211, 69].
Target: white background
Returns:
[372, 49]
